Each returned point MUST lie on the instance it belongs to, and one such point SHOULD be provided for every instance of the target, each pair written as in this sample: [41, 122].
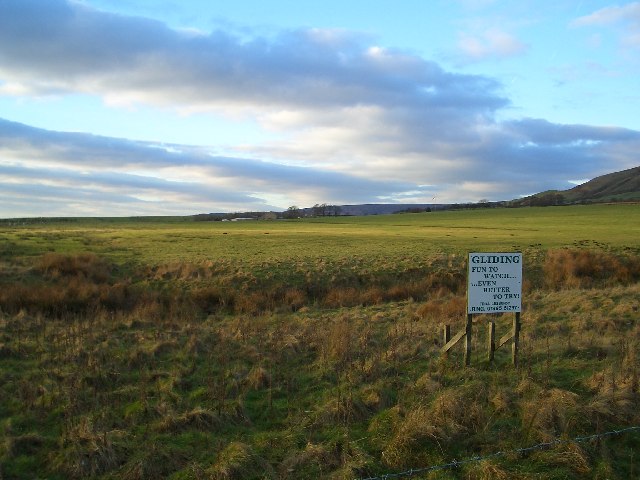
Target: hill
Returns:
[374, 209]
[612, 187]
[620, 186]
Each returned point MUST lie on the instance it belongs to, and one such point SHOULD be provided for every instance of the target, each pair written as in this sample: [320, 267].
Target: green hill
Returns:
[612, 187]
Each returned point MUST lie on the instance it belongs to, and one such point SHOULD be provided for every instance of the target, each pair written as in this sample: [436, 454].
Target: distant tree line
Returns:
[218, 217]
[318, 210]
[329, 210]
[414, 210]
[326, 210]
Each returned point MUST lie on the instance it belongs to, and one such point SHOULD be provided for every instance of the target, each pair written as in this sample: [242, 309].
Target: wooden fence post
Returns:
[516, 339]
[492, 340]
[467, 343]
[447, 336]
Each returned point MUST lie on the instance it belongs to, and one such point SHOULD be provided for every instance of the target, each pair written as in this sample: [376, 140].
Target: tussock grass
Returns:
[86, 452]
[237, 461]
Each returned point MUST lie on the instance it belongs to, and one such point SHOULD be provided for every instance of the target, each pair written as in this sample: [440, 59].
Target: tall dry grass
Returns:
[587, 268]
[63, 284]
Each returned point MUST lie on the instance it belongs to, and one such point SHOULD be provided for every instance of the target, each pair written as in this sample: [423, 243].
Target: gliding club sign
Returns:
[494, 283]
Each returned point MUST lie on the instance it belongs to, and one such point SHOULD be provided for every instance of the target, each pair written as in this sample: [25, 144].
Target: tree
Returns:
[325, 210]
[292, 212]
[319, 210]
[333, 210]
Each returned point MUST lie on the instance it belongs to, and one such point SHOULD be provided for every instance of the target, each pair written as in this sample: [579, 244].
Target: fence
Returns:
[517, 451]
[513, 335]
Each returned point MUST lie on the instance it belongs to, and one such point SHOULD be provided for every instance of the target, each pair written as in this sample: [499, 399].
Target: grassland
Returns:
[166, 348]
[154, 242]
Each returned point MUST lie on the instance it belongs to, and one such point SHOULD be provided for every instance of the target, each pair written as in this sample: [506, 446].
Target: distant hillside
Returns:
[612, 187]
[377, 208]
[621, 186]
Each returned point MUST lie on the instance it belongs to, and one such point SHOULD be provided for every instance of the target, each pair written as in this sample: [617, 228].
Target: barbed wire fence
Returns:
[517, 451]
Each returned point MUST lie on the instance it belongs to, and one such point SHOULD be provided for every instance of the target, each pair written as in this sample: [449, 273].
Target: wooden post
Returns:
[492, 340]
[516, 339]
[447, 337]
[467, 342]
[456, 338]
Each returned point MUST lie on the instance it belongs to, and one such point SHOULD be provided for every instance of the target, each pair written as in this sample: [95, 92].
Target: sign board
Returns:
[495, 283]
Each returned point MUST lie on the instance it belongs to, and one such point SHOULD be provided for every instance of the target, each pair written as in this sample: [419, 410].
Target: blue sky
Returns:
[112, 107]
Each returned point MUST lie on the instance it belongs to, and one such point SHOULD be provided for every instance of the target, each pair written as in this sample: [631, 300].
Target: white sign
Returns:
[495, 283]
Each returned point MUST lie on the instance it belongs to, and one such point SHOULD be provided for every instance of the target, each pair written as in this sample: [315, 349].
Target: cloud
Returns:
[95, 175]
[55, 47]
[356, 122]
[491, 44]
[110, 172]
[626, 16]
[609, 15]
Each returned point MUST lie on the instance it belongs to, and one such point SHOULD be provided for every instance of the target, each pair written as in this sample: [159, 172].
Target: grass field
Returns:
[166, 348]
[414, 235]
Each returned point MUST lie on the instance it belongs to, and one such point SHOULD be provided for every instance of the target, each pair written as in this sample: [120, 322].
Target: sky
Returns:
[178, 107]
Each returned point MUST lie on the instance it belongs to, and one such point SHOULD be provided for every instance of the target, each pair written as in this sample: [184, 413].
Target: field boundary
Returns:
[517, 451]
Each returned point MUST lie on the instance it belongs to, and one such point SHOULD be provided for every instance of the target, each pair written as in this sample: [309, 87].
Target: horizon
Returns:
[172, 108]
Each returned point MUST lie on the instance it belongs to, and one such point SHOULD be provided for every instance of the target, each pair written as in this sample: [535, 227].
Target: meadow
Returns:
[310, 348]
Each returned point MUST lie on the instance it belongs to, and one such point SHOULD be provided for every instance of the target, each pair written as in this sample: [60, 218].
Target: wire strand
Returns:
[540, 446]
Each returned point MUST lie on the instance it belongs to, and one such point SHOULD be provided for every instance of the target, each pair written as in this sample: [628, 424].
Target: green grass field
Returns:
[167, 348]
[396, 237]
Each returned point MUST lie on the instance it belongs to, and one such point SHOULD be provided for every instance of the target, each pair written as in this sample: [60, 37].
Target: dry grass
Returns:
[85, 452]
[569, 456]
[489, 470]
[239, 461]
[551, 414]
[413, 437]
[461, 411]
[84, 266]
[198, 419]
[586, 268]
[220, 373]
[85, 282]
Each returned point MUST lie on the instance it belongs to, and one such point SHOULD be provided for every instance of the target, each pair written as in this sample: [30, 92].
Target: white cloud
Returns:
[626, 17]
[608, 15]
[491, 44]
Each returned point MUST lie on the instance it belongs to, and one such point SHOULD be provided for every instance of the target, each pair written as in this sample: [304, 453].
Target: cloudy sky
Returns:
[152, 107]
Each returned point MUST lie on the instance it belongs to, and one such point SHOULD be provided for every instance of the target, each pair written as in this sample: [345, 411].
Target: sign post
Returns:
[495, 286]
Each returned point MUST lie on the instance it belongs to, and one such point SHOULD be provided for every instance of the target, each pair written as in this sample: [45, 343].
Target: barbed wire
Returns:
[540, 446]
